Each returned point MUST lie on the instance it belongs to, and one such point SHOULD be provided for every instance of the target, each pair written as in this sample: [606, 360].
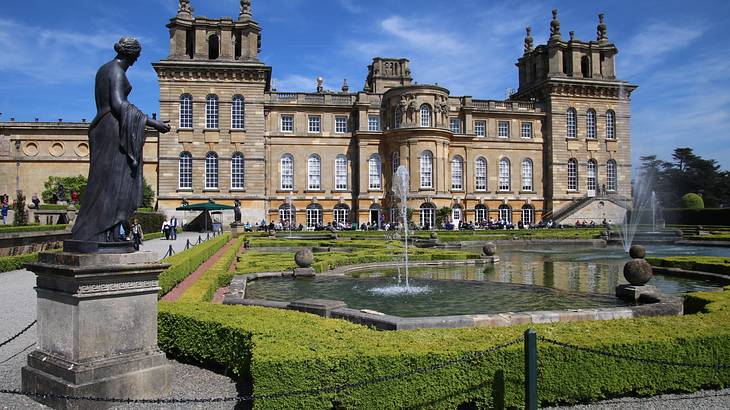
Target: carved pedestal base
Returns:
[490, 259]
[236, 230]
[97, 329]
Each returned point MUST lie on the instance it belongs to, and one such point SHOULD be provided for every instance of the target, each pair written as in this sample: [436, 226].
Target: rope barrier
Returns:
[19, 334]
[468, 357]
[634, 358]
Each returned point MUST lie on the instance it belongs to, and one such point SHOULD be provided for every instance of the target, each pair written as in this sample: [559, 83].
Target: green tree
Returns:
[21, 214]
[70, 184]
[443, 216]
[148, 194]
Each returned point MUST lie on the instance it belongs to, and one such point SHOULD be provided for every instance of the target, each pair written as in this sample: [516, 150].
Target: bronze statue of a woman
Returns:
[116, 139]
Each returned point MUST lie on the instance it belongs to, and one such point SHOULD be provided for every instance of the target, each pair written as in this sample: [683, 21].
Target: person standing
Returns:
[173, 227]
[4, 212]
[166, 229]
[137, 234]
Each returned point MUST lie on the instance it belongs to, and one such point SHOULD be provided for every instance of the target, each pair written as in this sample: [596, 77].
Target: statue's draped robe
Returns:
[114, 191]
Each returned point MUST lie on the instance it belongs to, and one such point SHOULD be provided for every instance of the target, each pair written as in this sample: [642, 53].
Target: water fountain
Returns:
[401, 183]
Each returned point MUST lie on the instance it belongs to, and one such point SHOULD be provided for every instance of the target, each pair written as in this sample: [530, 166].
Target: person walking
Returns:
[4, 212]
[166, 229]
[137, 234]
[173, 228]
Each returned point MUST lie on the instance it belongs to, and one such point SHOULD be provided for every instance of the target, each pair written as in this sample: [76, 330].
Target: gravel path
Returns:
[705, 400]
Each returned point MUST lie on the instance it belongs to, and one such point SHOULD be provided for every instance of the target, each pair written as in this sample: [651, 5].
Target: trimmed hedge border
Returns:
[712, 264]
[32, 228]
[204, 289]
[11, 263]
[279, 351]
[185, 262]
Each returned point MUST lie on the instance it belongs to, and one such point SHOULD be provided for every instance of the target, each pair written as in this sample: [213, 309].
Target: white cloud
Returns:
[650, 46]
[422, 35]
[351, 5]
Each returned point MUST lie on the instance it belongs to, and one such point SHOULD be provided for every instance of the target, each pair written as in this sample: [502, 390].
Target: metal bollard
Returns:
[531, 369]
[188, 244]
[200, 239]
[207, 237]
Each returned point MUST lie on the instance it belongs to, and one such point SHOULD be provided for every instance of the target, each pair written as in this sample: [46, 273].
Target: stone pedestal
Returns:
[304, 272]
[97, 329]
[236, 230]
[490, 259]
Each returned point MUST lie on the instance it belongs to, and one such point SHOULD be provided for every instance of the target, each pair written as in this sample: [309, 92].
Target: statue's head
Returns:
[128, 48]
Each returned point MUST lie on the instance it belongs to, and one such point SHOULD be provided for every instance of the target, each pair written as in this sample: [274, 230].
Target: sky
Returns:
[676, 51]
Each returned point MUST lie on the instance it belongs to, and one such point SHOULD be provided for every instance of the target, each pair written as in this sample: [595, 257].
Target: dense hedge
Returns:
[277, 351]
[31, 228]
[150, 221]
[713, 264]
[11, 263]
[53, 207]
[707, 216]
[185, 262]
[205, 287]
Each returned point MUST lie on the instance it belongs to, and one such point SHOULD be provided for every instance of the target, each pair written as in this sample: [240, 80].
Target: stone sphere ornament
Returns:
[637, 252]
[304, 258]
[489, 249]
[434, 235]
[638, 272]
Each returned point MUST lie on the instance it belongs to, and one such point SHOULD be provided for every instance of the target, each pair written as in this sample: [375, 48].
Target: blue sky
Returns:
[676, 51]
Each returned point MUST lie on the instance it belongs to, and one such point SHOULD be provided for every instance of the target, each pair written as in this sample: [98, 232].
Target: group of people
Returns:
[169, 228]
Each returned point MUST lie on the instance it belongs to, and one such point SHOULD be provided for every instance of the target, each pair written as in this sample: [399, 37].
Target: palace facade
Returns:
[559, 144]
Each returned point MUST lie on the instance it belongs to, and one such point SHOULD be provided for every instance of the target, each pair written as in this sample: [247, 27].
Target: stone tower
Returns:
[212, 89]
[588, 139]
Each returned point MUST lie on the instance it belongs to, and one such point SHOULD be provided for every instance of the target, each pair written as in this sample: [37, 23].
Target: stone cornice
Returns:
[571, 87]
[207, 71]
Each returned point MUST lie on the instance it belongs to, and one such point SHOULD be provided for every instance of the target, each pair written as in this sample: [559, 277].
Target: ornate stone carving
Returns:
[602, 30]
[528, 40]
[245, 8]
[116, 287]
[185, 9]
[555, 26]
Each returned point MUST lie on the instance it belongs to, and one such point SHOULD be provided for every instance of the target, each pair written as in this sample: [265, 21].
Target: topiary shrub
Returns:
[692, 201]
[21, 214]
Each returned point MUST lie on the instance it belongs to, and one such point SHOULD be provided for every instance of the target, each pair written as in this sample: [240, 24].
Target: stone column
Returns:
[97, 329]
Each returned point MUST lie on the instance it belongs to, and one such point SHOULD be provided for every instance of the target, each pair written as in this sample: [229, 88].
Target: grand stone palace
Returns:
[558, 147]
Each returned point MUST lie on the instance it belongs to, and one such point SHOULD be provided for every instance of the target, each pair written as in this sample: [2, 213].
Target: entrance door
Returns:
[456, 217]
[375, 217]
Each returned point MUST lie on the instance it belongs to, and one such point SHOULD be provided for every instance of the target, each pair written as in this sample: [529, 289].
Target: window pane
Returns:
[315, 123]
[313, 172]
[237, 113]
[571, 124]
[186, 111]
[237, 180]
[610, 125]
[480, 128]
[287, 123]
[526, 130]
[340, 124]
[287, 173]
[457, 174]
[426, 170]
[591, 124]
[572, 175]
[504, 175]
[480, 172]
[592, 176]
[395, 161]
[425, 116]
[455, 125]
[186, 171]
[527, 175]
[528, 215]
[211, 171]
[503, 129]
[341, 173]
[374, 172]
[611, 176]
[211, 112]
[373, 123]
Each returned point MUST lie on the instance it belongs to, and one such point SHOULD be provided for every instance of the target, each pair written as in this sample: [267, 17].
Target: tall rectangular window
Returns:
[186, 111]
[374, 123]
[426, 170]
[314, 173]
[480, 128]
[341, 173]
[610, 125]
[455, 125]
[591, 124]
[611, 176]
[504, 175]
[211, 113]
[237, 113]
[572, 175]
[237, 171]
[526, 130]
[457, 174]
[480, 172]
[374, 168]
[211, 171]
[315, 124]
[340, 124]
[503, 129]
[287, 173]
[287, 123]
[186, 171]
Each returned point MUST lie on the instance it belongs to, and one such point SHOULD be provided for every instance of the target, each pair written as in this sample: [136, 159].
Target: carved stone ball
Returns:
[637, 272]
[489, 249]
[304, 258]
[637, 252]
[434, 236]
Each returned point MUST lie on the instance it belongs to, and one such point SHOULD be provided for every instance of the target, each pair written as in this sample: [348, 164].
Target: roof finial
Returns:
[345, 87]
[528, 40]
[555, 26]
[602, 30]
[320, 85]
[245, 10]
[184, 9]
[572, 35]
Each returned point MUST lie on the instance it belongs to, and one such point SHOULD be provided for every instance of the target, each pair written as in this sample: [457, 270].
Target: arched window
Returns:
[186, 111]
[572, 175]
[611, 176]
[572, 123]
[457, 215]
[211, 112]
[426, 169]
[457, 173]
[592, 171]
[480, 213]
[211, 171]
[527, 175]
[213, 47]
[314, 215]
[185, 176]
[288, 216]
[480, 174]
[528, 215]
[425, 116]
[591, 124]
[314, 173]
[395, 161]
[341, 173]
[287, 172]
[428, 215]
[374, 172]
[342, 215]
[238, 113]
[610, 125]
[237, 171]
[585, 67]
[504, 175]
[398, 117]
[505, 213]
